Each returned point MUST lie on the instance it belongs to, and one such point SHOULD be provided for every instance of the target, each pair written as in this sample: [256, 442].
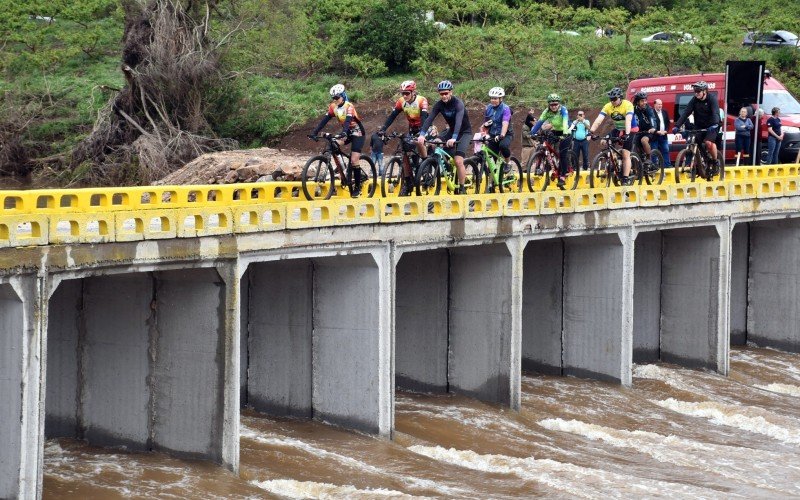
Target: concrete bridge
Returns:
[147, 317]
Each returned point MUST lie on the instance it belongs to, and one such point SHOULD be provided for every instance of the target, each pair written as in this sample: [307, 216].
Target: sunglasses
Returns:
[580, 114]
[335, 98]
[405, 92]
[698, 91]
[554, 103]
[447, 92]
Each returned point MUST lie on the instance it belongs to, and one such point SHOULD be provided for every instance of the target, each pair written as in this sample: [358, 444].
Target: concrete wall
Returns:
[348, 349]
[481, 333]
[647, 297]
[740, 255]
[773, 309]
[594, 290]
[690, 297]
[280, 333]
[62, 360]
[11, 358]
[421, 321]
[542, 298]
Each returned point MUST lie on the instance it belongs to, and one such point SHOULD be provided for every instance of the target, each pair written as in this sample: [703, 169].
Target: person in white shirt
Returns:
[660, 138]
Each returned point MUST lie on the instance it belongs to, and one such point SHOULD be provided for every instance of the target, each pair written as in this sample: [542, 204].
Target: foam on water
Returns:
[791, 390]
[308, 489]
[760, 468]
[572, 479]
[746, 418]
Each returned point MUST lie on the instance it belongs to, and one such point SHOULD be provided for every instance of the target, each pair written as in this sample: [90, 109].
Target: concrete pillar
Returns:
[244, 339]
[149, 361]
[484, 360]
[280, 332]
[773, 307]
[351, 367]
[694, 297]
[21, 419]
[740, 249]
[597, 306]
[543, 264]
[421, 321]
[647, 297]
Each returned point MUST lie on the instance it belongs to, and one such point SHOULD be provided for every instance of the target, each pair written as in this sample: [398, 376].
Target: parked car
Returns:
[770, 39]
[670, 36]
[567, 32]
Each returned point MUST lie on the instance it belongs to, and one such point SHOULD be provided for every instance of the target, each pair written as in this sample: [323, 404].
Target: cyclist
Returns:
[646, 118]
[497, 120]
[556, 119]
[352, 130]
[704, 107]
[621, 111]
[460, 133]
[415, 107]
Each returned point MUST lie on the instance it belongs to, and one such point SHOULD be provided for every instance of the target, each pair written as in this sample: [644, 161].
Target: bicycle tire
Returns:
[598, 171]
[684, 169]
[392, 178]
[318, 178]
[511, 182]
[572, 160]
[656, 176]
[473, 177]
[369, 175]
[721, 163]
[428, 181]
[636, 169]
[535, 161]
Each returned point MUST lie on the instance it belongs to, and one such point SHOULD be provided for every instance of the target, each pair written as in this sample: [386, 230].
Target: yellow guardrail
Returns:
[64, 216]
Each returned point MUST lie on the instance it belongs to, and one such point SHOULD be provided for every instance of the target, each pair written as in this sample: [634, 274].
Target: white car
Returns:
[669, 36]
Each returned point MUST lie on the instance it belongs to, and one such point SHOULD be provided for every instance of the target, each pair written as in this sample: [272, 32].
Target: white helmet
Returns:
[337, 89]
[497, 92]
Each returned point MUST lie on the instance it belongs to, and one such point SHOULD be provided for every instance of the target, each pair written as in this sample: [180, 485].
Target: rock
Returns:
[232, 177]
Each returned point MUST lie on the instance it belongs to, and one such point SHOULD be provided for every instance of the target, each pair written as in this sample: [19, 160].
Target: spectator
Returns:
[528, 144]
[743, 126]
[376, 147]
[775, 136]
[579, 131]
[599, 32]
[660, 138]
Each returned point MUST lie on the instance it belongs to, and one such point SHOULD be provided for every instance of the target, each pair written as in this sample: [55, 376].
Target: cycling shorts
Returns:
[627, 144]
[463, 144]
[708, 135]
[356, 143]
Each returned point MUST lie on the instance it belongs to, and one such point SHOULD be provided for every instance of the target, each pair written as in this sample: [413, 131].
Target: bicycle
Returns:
[653, 167]
[320, 172]
[694, 160]
[544, 162]
[506, 177]
[442, 164]
[393, 177]
[606, 166]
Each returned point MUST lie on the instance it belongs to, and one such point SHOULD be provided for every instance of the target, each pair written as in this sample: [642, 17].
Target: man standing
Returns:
[660, 138]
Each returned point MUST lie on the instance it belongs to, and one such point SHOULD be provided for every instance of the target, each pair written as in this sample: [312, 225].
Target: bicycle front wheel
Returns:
[536, 170]
[684, 167]
[511, 177]
[654, 173]
[318, 179]
[473, 177]
[599, 171]
[369, 175]
[428, 180]
[392, 178]
[572, 161]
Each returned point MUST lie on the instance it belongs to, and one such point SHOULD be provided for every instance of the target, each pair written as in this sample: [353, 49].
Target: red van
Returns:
[675, 92]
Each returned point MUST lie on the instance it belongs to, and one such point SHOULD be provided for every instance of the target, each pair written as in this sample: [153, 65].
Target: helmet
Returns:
[336, 90]
[553, 98]
[444, 85]
[408, 85]
[615, 93]
[497, 92]
[639, 96]
[701, 85]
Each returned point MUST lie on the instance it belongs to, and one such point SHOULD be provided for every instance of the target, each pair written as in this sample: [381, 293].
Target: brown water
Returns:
[675, 433]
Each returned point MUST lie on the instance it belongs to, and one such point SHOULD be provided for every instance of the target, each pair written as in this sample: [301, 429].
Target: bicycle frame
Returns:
[447, 167]
[493, 160]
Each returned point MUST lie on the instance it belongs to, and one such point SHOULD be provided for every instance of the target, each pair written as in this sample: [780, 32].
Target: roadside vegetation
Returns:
[245, 72]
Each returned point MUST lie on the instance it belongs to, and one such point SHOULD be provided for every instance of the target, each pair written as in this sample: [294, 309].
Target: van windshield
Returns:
[781, 99]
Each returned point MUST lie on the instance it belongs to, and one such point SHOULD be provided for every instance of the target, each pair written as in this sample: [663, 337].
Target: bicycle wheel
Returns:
[428, 181]
[392, 178]
[318, 178]
[511, 177]
[369, 175]
[598, 171]
[655, 173]
[486, 177]
[637, 167]
[684, 167]
[473, 179]
[721, 163]
[572, 160]
[536, 173]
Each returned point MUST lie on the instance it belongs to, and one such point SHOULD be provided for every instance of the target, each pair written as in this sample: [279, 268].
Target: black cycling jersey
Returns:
[454, 113]
[706, 112]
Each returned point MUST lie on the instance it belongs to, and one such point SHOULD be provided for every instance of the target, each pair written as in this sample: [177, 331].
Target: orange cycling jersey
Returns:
[342, 112]
[413, 110]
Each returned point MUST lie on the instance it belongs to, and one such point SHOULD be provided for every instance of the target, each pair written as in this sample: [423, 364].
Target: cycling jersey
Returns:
[454, 113]
[706, 112]
[618, 114]
[559, 119]
[498, 114]
[416, 112]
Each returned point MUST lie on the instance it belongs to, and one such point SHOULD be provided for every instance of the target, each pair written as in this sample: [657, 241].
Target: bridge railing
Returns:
[42, 217]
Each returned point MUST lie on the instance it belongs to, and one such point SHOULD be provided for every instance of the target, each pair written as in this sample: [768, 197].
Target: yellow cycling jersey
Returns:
[342, 112]
[618, 114]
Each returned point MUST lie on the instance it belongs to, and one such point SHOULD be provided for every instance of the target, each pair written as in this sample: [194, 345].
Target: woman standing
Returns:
[775, 136]
[743, 126]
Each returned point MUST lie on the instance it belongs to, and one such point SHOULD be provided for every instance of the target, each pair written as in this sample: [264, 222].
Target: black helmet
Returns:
[639, 96]
[701, 85]
[615, 93]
